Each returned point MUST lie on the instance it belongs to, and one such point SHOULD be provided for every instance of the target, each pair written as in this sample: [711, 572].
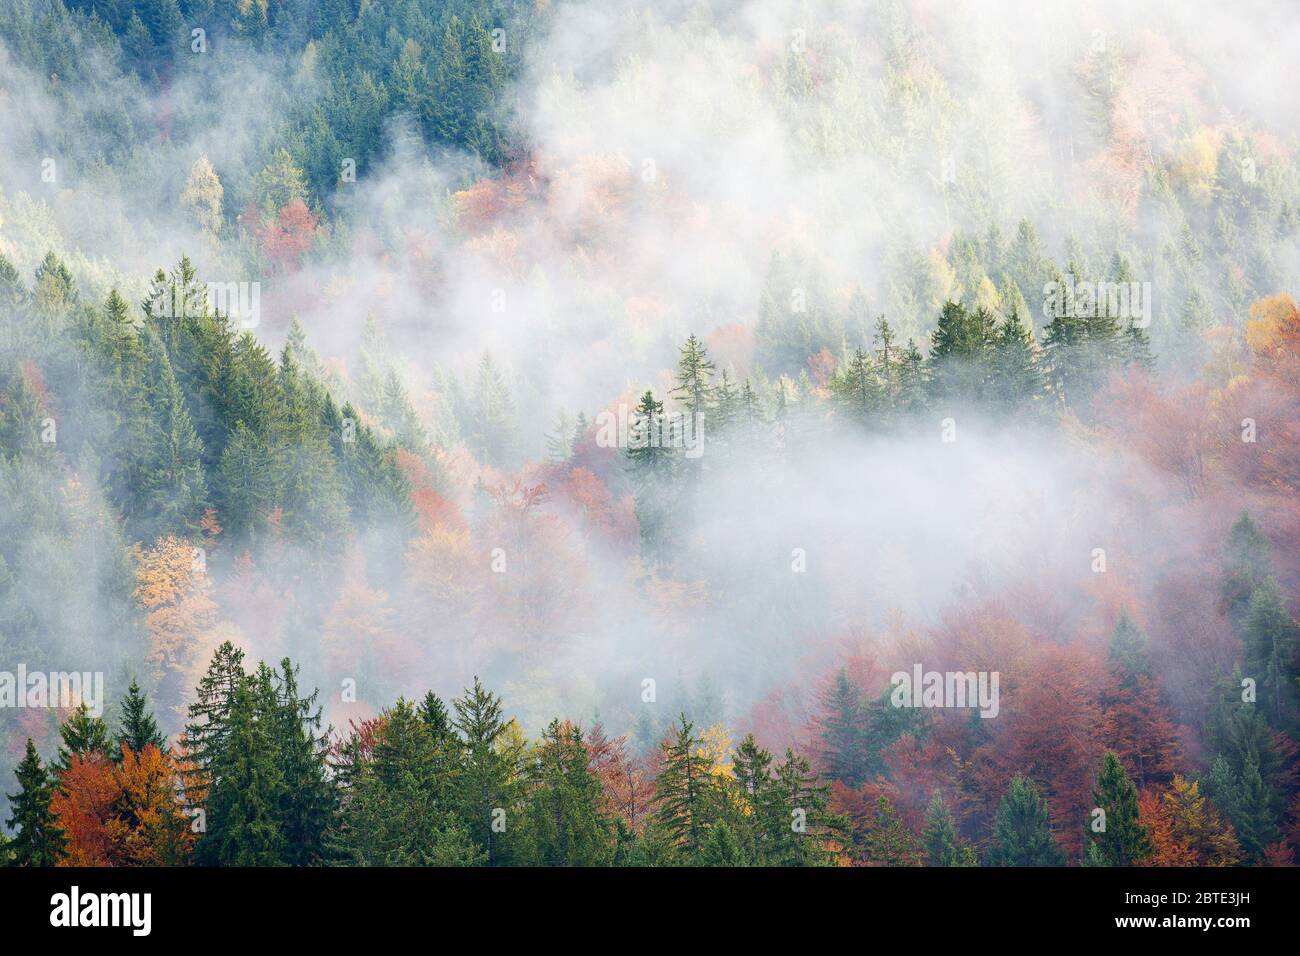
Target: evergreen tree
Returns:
[1125, 841]
[1022, 831]
[139, 729]
[38, 840]
[82, 735]
[565, 823]
[942, 847]
[173, 480]
[684, 791]
[1246, 565]
[487, 787]
[244, 804]
[1018, 380]
[843, 733]
[693, 383]
[1128, 650]
[651, 463]
[1269, 634]
[720, 848]
[307, 801]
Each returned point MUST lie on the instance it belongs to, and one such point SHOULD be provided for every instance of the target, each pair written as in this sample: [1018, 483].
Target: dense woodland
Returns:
[186, 499]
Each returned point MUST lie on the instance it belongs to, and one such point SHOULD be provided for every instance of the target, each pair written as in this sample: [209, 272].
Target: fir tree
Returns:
[1022, 831]
[139, 729]
[82, 736]
[1124, 841]
[38, 840]
[684, 790]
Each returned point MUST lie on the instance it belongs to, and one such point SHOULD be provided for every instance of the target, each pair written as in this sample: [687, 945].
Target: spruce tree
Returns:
[244, 804]
[565, 824]
[38, 840]
[487, 785]
[82, 735]
[939, 836]
[1247, 562]
[843, 733]
[307, 800]
[139, 729]
[1269, 635]
[1125, 841]
[694, 381]
[1022, 831]
[684, 790]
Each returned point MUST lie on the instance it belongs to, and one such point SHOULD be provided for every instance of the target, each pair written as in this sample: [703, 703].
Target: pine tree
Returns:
[942, 847]
[693, 384]
[139, 729]
[173, 480]
[38, 841]
[82, 735]
[244, 804]
[559, 442]
[651, 463]
[720, 848]
[1246, 565]
[799, 815]
[487, 784]
[1128, 651]
[307, 799]
[684, 790]
[1018, 380]
[1248, 801]
[209, 712]
[565, 823]
[856, 389]
[491, 426]
[1022, 831]
[1125, 840]
[1269, 635]
[843, 733]
[753, 826]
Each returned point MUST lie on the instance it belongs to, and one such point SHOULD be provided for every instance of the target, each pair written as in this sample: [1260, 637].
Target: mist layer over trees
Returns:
[495, 433]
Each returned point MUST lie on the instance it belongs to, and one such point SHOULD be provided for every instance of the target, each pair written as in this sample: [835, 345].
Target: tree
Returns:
[843, 732]
[488, 782]
[1246, 565]
[684, 790]
[1269, 634]
[651, 463]
[1022, 831]
[1124, 840]
[565, 823]
[942, 845]
[243, 819]
[394, 810]
[173, 480]
[173, 588]
[150, 825]
[1199, 825]
[202, 196]
[1018, 380]
[307, 799]
[38, 840]
[694, 378]
[82, 735]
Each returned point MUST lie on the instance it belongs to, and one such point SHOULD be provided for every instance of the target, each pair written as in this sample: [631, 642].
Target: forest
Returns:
[502, 433]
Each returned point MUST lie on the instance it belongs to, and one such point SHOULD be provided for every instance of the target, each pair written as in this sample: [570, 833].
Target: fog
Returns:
[672, 149]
